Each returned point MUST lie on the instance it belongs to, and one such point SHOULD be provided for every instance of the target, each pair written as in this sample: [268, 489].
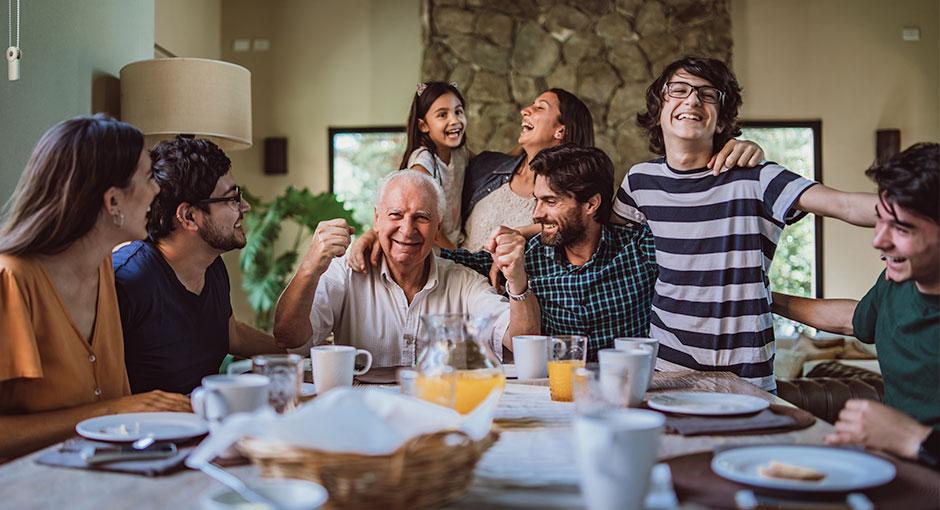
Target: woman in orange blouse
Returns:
[86, 188]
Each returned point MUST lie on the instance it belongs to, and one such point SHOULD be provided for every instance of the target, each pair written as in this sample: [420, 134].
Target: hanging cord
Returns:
[10, 23]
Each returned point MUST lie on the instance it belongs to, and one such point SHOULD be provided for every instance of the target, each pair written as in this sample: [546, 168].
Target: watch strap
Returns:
[929, 452]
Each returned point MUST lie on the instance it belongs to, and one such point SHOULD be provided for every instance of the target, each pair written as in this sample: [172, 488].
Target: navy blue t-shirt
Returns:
[172, 337]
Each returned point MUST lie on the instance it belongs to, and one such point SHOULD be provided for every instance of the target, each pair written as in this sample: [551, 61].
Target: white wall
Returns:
[844, 62]
[189, 28]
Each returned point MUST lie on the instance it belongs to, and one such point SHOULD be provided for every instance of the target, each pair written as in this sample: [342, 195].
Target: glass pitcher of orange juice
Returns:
[457, 368]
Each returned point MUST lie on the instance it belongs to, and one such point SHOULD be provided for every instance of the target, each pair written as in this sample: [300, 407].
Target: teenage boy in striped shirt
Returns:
[715, 236]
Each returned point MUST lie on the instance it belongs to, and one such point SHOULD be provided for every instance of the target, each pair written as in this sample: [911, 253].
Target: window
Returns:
[359, 159]
[796, 267]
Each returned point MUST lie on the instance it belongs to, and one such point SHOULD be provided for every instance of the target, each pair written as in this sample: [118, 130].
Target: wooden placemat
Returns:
[915, 486]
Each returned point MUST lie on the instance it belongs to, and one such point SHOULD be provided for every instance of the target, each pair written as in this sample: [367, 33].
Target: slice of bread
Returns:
[783, 471]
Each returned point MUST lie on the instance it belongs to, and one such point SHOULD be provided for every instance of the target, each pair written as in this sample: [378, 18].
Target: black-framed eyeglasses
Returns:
[682, 90]
[236, 199]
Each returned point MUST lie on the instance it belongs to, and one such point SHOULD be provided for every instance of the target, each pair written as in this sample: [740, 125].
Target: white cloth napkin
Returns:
[364, 421]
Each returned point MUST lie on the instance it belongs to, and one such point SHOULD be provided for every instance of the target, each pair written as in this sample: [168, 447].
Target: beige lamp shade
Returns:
[166, 97]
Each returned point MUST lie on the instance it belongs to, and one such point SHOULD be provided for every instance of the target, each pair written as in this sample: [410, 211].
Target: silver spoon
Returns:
[236, 484]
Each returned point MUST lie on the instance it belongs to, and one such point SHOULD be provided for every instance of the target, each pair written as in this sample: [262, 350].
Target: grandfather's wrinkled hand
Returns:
[878, 426]
[152, 401]
[740, 153]
[509, 256]
[330, 240]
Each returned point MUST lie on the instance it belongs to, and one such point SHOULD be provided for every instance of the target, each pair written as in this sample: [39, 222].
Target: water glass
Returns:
[286, 372]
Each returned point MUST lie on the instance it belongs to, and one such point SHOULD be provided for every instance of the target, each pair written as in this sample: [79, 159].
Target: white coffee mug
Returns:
[530, 353]
[616, 450]
[334, 365]
[625, 373]
[642, 343]
[221, 396]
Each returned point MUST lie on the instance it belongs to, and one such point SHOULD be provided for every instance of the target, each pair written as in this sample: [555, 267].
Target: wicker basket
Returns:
[428, 471]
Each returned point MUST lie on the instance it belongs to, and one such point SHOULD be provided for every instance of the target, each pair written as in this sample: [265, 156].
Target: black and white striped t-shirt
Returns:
[715, 239]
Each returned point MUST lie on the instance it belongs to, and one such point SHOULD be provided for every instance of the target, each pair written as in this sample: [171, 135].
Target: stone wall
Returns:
[502, 53]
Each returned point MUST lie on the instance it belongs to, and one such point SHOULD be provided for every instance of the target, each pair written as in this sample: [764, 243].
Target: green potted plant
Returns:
[265, 271]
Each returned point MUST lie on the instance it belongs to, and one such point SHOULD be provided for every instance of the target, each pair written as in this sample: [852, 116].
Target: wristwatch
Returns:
[519, 297]
[929, 451]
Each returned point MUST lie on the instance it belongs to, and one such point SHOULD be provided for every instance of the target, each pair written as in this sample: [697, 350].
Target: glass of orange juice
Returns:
[567, 354]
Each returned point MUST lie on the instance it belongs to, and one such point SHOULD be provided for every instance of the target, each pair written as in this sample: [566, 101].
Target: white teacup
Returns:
[630, 367]
[616, 450]
[530, 353]
[334, 365]
[221, 396]
[642, 343]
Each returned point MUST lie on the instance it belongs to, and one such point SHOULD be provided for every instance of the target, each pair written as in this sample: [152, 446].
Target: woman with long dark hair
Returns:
[87, 188]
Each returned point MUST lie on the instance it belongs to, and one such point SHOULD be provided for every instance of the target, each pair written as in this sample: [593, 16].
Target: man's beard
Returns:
[571, 229]
[218, 240]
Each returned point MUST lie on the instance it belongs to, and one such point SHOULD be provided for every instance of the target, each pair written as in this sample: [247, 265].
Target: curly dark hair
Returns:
[720, 76]
[187, 170]
[581, 172]
[911, 179]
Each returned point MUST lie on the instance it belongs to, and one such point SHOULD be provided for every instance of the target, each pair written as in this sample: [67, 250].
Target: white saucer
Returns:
[133, 426]
[707, 403]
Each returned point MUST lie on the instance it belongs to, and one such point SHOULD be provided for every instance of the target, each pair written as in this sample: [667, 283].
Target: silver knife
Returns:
[95, 455]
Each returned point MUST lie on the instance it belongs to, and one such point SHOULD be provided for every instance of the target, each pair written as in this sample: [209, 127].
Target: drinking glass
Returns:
[286, 372]
[594, 392]
[567, 354]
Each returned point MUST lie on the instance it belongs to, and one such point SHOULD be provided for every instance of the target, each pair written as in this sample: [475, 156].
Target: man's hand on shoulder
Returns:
[330, 240]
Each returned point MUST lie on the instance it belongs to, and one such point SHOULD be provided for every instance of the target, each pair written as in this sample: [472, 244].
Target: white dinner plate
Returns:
[133, 426]
[845, 470]
[707, 403]
[308, 389]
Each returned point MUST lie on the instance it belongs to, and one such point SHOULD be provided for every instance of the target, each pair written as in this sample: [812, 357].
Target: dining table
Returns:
[532, 465]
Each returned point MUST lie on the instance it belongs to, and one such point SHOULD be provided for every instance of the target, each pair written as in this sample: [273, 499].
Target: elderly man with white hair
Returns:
[380, 310]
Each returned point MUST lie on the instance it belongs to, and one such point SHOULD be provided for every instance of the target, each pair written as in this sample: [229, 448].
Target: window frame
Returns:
[816, 127]
[333, 131]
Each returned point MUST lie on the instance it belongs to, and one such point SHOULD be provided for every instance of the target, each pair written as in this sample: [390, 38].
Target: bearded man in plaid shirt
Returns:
[591, 277]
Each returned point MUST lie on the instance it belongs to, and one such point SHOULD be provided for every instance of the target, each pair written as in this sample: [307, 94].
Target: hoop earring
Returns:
[118, 218]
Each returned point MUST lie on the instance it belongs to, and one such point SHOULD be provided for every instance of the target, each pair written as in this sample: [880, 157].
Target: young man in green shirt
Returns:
[901, 313]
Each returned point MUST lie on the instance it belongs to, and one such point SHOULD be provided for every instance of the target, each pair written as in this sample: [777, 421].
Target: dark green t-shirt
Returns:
[905, 326]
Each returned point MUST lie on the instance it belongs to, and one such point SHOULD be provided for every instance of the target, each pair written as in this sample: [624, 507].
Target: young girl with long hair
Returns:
[437, 126]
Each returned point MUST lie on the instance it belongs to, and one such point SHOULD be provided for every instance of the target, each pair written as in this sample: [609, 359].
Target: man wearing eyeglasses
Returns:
[715, 235]
[173, 289]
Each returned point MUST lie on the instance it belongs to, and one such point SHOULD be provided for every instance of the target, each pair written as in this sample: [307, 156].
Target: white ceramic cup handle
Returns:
[197, 400]
[368, 356]
[200, 403]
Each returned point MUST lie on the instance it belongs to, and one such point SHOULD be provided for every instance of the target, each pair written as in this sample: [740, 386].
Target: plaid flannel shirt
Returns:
[608, 297]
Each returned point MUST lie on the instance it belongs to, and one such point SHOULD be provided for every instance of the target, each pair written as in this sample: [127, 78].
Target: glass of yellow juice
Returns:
[567, 354]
